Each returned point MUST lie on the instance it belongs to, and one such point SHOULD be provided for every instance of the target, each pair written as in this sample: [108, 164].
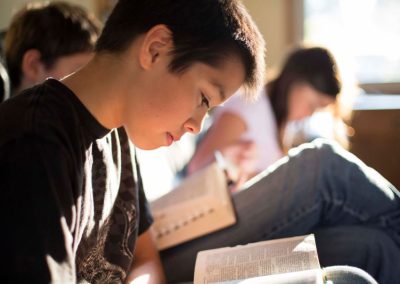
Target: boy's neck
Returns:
[101, 86]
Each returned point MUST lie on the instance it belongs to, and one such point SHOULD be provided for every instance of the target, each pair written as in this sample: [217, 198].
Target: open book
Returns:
[199, 205]
[289, 260]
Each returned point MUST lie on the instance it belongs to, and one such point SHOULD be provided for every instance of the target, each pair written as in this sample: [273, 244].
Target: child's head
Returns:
[175, 59]
[48, 40]
[206, 31]
[308, 81]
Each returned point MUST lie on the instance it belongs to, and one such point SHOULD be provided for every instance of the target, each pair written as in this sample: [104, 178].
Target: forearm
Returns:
[146, 267]
[199, 161]
[146, 273]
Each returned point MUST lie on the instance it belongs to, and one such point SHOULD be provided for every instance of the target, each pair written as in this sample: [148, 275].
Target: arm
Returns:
[226, 130]
[225, 136]
[146, 267]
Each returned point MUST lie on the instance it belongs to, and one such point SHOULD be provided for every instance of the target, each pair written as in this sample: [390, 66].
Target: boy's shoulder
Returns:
[47, 111]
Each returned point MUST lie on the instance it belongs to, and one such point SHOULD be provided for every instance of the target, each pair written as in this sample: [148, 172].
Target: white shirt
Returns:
[260, 124]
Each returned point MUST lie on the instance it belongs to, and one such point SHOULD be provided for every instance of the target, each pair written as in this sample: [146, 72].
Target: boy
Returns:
[73, 199]
[48, 40]
[72, 196]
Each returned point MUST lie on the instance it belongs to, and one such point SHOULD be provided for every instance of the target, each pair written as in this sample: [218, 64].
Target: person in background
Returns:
[251, 134]
[316, 188]
[48, 39]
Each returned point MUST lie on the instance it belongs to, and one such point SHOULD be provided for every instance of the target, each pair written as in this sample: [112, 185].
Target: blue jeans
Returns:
[318, 188]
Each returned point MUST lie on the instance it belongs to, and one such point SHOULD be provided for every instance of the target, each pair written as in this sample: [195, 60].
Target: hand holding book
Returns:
[200, 205]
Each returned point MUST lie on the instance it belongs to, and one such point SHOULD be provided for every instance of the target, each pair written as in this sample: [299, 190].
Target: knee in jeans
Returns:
[323, 143]
[320, 147]
[325, 148]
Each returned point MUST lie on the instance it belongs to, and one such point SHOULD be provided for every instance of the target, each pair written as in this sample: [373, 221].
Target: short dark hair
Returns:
[204, 31]
[55, 29]
[313, 65]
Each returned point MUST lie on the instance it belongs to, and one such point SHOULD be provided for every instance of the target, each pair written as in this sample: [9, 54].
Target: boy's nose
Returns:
[193, 125]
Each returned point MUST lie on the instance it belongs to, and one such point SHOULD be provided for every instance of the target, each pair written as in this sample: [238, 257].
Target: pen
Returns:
[219, 158]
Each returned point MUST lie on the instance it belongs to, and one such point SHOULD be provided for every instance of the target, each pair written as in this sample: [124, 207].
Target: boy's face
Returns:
[174, 104]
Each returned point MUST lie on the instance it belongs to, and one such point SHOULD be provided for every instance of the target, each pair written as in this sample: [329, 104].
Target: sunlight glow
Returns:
[363, 34]
[143, 279]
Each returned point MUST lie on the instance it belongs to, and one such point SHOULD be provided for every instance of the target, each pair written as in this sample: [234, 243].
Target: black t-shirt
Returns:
[72, 202]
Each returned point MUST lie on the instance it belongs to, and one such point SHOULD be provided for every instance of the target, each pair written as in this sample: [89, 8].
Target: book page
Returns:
[200, 205]
[312, 276]
[257, 259]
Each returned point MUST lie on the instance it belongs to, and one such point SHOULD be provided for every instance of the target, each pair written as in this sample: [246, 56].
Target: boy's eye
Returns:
[204, 101]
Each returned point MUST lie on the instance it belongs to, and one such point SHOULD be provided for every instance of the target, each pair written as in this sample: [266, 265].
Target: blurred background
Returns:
[363, 34]
[364, 37]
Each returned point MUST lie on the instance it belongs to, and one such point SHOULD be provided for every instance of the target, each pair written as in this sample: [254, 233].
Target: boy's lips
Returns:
[171, 138]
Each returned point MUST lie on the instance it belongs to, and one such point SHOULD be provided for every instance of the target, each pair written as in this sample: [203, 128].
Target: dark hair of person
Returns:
[315, 66]
[55, 29]
[205, 31]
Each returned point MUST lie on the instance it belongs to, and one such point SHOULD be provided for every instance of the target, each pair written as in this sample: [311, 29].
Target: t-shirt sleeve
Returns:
[261, 127]
[36, 241]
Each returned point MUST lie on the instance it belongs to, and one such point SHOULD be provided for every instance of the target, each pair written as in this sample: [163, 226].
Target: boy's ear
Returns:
[32, 67]
[157, 43]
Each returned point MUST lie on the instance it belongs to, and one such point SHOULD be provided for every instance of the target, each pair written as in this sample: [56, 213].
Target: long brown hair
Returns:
[315, 66]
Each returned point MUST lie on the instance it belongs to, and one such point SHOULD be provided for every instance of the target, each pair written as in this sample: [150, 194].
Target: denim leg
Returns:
[317, 185]
[368, 248]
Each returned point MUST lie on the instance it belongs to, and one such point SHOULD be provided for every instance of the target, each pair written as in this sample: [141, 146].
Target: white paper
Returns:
[257, 259]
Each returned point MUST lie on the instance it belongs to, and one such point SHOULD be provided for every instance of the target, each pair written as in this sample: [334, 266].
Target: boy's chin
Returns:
[143, 145]
[147, 147]
[151, 148]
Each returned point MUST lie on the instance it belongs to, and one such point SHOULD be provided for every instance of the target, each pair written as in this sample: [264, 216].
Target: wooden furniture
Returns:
[376, 141]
